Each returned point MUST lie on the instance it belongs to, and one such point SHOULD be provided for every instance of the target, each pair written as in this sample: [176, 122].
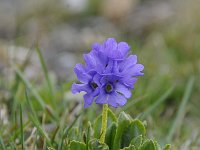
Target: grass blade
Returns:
[30, 104]
[28, 84]
[21, 127]
[88, 135]
[17, 131]
[157, 103]
[35, 121]
[2, 144]
[133, 102]
[65, 133]
[12, 146]
[39, 128]
[181, 111]
[45, 70]
[44, 106]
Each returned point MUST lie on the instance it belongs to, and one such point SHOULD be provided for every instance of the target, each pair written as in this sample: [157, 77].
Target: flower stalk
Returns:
[104, 123]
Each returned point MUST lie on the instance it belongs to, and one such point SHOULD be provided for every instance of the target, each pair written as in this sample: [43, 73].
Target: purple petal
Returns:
[81, 74]
[123, 90]
[136, 70]
[88, 99]
[123, 49]
[128, 62]
[77, 88]
[90, 60]
[109, 78]
[115, 68]
[96, 46]
[121, 100]
[96, 61]
[116, 100]
[112, 101]
[129, 81]
[102, 98]
[97, 79]
[103, 59]
[110, 45]
[95, 92]
[108, 67]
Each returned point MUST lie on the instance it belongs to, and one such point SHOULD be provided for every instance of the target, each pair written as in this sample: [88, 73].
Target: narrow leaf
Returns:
[167, 147]
[157, 103]
[28, 85]
[137, 141]
[181, 111]
[148, 145]
[46, 73]
[66, 131]
[21, 127]
[2, 144]
[96, 145]
[76, 145]
[123, 122]
[134, 129]
[110, 135]
[131, 147]
[39, 128]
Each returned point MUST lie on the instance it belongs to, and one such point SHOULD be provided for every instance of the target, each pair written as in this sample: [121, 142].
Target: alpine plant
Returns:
[108, 75]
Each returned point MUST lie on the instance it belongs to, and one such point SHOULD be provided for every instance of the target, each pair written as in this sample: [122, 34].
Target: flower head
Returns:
[108, 75]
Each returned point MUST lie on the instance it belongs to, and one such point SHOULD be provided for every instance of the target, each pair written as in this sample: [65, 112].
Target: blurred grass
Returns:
[44, 68]
[181, 111]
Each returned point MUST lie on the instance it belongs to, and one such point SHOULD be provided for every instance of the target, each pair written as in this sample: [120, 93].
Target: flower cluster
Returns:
[108, 75]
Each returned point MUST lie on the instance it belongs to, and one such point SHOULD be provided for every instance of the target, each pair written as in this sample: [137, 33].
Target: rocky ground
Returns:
[65, 29]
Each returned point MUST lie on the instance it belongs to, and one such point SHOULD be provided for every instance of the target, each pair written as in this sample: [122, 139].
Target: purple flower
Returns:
[112, 49]
[89, 84]
[108, 75]
[113, 91]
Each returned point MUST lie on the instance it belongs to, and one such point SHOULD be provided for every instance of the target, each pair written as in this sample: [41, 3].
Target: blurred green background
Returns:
[165, 34]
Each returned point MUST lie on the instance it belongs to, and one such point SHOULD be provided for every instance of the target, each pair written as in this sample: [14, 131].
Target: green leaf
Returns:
[65, 132]
[135, 129]
[76, 145]
[112, 115]
[131, 147]
[74, 133]
[157, 146]
[88, 135]
[97, 126]
[148, 145]
[167, 147]
[97, 123]
[137, 141]
[51, 148]
[110, 135]
[123, 122]
[96, 145]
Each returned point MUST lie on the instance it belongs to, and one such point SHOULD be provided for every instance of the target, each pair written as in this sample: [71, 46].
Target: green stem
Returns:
[104, 123]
